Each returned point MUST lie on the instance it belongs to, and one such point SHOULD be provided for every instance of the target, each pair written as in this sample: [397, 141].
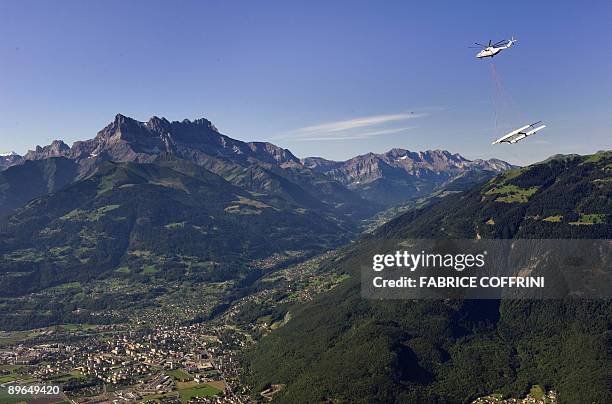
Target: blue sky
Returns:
[333, 79]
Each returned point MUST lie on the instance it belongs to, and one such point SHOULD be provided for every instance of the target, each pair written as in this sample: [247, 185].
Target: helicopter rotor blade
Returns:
[479, 44]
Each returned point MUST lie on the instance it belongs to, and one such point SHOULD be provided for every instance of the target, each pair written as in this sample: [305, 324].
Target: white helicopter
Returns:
[493, 49]
[520, 133]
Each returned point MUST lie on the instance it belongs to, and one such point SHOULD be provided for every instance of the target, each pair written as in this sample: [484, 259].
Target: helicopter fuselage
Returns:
[489, 52]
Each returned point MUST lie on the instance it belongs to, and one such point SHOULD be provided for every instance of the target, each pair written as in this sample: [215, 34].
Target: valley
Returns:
[158, 340]
[165, 262]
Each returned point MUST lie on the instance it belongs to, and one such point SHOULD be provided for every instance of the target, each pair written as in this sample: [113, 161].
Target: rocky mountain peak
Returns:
[401, 164]
[319, 164]
[205, 123]
[122, 121]
[277, 153]
[9, 159]
[158, 124]
[57, 148]
[126, 139]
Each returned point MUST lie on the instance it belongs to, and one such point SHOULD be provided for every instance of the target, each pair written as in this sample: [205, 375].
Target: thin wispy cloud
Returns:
[356, 123]
[356, 128]
[349, 136]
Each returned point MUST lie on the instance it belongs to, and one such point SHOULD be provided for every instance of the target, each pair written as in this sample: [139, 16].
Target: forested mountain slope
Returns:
[341, 347]
[22, 183]
[169, 214]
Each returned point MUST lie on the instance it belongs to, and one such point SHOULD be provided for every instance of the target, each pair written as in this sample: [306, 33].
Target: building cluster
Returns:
[29, 355]
[548, 398]
[137, 363]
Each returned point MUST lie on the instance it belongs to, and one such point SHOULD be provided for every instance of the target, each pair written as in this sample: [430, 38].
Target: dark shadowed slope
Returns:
[22, 183]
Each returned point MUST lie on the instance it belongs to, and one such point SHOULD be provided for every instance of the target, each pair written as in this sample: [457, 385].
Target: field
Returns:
[511, 193]
[12, 337]
[180, 375]
[595, 218]
[7, 378]
[197, 390]
[537, 392]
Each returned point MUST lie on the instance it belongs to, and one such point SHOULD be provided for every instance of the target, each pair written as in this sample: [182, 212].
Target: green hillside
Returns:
[343, 348]
[165, 218]
[560, 198]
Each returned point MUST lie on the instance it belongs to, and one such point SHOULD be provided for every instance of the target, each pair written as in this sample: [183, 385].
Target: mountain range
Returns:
[184, 189]
[334, 187]
[397, 175]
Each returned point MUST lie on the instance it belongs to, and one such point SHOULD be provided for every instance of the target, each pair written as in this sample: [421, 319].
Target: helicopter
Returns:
[493, 49]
